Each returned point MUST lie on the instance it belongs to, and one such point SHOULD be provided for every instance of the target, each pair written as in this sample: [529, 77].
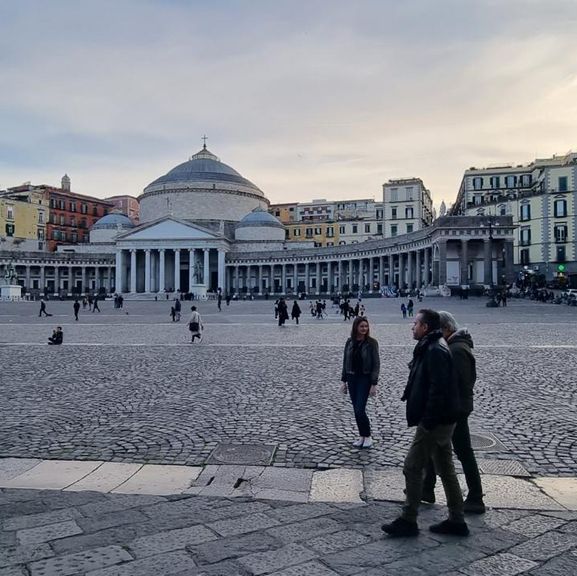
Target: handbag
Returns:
[194, 326]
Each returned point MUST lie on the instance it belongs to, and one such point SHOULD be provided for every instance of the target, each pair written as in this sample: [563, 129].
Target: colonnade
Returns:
[170, 269]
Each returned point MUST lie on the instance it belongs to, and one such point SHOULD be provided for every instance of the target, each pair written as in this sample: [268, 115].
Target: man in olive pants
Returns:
[432, 398]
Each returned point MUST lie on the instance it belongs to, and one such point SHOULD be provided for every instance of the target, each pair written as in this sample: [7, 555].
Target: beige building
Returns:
[23, 219]
[541, 197]
[407, 207]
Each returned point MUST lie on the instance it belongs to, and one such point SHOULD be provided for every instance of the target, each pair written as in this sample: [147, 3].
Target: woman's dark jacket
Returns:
[461, 347]
[370, 361]
[432, 393]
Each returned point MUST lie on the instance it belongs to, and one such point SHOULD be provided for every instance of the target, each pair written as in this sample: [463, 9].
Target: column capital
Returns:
[162, 250]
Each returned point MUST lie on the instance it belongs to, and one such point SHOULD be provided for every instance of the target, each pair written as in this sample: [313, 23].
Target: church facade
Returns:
[204, 227]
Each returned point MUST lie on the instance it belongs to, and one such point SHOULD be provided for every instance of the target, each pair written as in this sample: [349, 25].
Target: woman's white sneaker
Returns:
[359, 443]
[367, 442]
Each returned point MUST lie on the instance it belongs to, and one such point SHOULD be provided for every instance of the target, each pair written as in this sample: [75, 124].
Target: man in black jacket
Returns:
[432, 398]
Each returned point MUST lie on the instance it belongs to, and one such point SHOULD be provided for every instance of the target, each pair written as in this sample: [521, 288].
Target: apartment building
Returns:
[23, 219]
[542, 197]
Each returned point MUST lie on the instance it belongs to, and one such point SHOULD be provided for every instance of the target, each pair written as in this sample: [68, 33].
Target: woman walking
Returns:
[296, 312]
[195, 325]
[361, 365]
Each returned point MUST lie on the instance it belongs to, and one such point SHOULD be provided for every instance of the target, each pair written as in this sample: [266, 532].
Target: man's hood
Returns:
[461, 335]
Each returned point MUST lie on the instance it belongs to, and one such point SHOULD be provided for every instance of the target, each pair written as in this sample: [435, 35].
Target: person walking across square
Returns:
[461, 347]
[360, 375]
[432, 398]
[76, 308]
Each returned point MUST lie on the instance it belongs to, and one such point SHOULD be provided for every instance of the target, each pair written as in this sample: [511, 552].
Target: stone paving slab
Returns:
[157, 479]
[339, 485]
[562, 490]
[106, 477]
[12, 467]
[53, 474]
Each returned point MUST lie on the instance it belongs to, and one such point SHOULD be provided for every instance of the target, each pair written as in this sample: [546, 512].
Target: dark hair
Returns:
[355, 327]
[193, 308]
[431, 318]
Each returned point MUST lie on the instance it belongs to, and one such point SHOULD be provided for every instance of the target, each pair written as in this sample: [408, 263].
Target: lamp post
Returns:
[489, 222]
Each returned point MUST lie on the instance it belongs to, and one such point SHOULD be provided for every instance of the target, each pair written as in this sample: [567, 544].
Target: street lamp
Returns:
[491, 221]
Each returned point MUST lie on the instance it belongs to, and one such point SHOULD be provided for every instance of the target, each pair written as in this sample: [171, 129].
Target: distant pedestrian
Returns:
[228, 299]
[410, 306]
[84, 302]
[219, 300]
[95, 304]
[195, 325]
[57, 337]
[120, 301]
[173, 313]
[282, 312]
[403, 310]
[76, 308]
[177, 309]
[43, 308]
[296, 312]
[432, 398]
[360, 374]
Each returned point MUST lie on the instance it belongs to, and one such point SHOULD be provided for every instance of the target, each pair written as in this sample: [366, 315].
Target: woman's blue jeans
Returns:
[359, 387]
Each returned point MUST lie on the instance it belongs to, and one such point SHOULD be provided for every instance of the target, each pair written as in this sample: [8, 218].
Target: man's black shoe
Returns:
[401, 528]
[474, 507]
[428, 497]
[450, 527]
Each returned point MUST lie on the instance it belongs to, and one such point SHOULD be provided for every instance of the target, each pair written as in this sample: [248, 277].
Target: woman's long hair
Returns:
[355, 327]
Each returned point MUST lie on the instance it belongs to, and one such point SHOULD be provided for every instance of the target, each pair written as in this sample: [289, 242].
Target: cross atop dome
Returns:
[204, 139]
[205, 153]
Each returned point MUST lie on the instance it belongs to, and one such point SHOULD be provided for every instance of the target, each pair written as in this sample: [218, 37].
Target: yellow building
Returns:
[322, 233]
[23, 221]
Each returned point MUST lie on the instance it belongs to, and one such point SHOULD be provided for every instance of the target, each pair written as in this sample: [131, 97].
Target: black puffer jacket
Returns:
[432, 394]
[461, 347]
[370, 360]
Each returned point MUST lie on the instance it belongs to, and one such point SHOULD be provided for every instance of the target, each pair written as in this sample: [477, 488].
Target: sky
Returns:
[307, 99]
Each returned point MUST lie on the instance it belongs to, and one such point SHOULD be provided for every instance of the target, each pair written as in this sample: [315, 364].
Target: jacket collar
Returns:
[426, 341]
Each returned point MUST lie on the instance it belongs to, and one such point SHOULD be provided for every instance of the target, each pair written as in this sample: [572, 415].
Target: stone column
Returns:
[410, 270]
[381, 271]
[162, 270]
[70, 278]
[133, 271]
[147, 270]
[42, 278]
[85, 285]
[427, 270]
[391, 270]
[221, 270]
[307, 277]
[260, 280]
[56, 280]
[176, 269]
[318, 276]
[371, 274]
[283, 279]
[401, 269]
[351, 278]
[109, 280]
[340, 282]
[295, 278]
[205, 268]
[236, 279]
[28, 278]
[488, 257]
[419, 274]
[464, 262]
[509, 264]
[191, 263]
[442, 262]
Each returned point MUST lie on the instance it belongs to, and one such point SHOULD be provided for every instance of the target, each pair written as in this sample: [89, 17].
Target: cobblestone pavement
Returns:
[131, 388]
[47, 533]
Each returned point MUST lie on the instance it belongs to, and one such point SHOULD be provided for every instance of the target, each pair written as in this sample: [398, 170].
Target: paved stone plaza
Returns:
[127, 387]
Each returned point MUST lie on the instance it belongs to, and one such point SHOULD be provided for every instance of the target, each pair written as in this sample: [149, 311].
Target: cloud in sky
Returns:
[315, 99]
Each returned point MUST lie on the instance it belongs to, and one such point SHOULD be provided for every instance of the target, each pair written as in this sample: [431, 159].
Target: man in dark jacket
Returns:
[461, 346]
[433, 406]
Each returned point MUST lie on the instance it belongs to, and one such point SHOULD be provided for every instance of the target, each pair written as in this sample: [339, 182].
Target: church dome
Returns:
[260, 225]
[113, 220]
[201, 189]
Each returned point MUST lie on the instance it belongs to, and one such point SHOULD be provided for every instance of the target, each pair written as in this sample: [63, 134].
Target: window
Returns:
[409, 192]
[95, 210]
[393, 213]
[526, 180]
[367, 228]
[83, 223]
[10, 212]
[560, 208]
[73, 222]
[525, 256]
[409, 228]
[62, 220]
[40, 233]
[296, 232]
[477, 183]
[52, 203]
[84, 209]
[291, 209]
[40, 217]
[561, 233]
[9, 229]
[561, 256]
[409, 212]
[562, 183]
[277, 213]
[525, 212]
[330, 243]
[72, 206]
[394, 230]
[394, 194]
[55, 234]
[355, 228]
[510, 181]
[379, 228]
[495, 181]
[502, 210]
[341, 229]
[379, 214]
[525, 236]
[63, 236]
[309, 232]
[318, 230]
[330, 232]
[62, 205]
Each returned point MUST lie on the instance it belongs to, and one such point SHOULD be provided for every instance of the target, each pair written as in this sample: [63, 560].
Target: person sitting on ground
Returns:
[57, 336]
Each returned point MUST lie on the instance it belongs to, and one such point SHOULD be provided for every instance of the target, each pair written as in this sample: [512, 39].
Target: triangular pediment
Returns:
[168, 229]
